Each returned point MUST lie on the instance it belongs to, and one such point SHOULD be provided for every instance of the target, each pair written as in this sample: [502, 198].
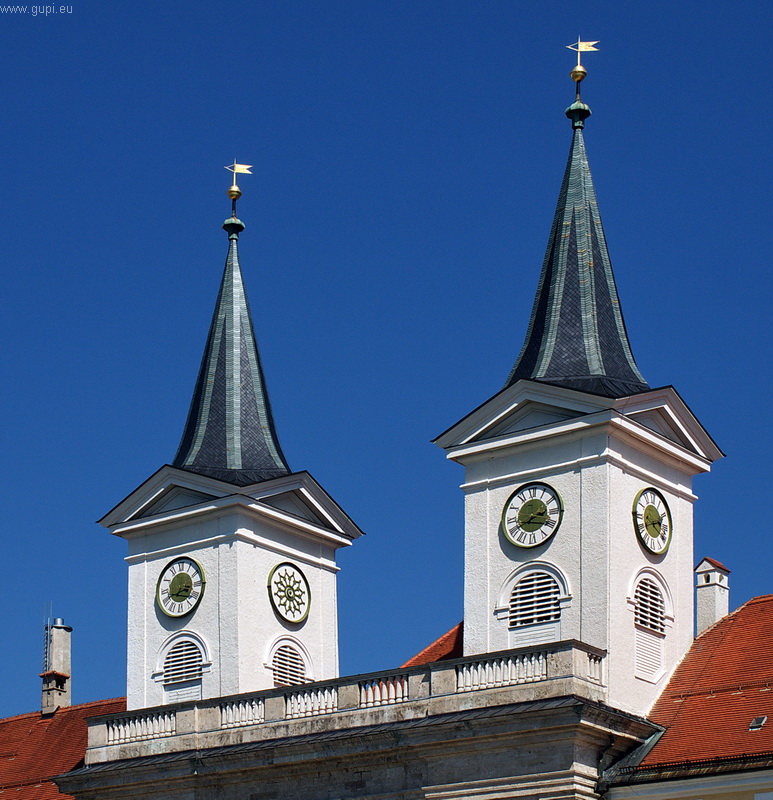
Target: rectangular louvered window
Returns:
[183, 663]
[534, 600]
[649, 655]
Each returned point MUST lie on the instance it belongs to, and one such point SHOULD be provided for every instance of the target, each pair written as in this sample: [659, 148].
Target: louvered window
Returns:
[289, 668]
[650, 610]
[183, 662]
[534, 600]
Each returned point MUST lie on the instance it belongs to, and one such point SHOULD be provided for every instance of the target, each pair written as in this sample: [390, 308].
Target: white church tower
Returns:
[578, 475]
[232, 556]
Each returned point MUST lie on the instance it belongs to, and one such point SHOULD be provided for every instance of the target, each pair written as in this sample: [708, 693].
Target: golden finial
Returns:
[579, 72]
[235, 192]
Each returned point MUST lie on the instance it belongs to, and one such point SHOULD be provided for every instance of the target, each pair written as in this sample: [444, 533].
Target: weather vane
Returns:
[579, 72]
[235, 192]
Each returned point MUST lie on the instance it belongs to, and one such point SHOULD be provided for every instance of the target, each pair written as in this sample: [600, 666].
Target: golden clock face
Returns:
[532, 515]
[289, 592]
[652, 520]
[180, 587]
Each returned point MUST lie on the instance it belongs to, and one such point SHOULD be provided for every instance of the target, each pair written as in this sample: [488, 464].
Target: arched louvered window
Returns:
[534, 600]
[183, 663]
[649, 615]
[288, 666]
[649, 607]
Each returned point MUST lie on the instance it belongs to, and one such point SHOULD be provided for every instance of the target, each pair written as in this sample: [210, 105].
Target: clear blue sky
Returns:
[407, 156]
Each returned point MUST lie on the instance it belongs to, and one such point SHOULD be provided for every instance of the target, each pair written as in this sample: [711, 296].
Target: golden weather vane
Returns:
[235, 192]
[582, 47]
[579, 72]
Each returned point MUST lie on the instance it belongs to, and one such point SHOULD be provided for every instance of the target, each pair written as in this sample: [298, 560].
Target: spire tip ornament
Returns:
[235, 192]
[579, 72]
[578, 112]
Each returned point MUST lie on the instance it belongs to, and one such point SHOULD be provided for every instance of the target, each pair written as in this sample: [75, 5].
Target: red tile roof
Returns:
[724, 682]
[449, 645]
[35, 747]
[714, 563]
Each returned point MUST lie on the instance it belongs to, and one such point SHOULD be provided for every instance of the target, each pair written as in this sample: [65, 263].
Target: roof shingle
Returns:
[36, 747]
[724, 682]
[449, 645]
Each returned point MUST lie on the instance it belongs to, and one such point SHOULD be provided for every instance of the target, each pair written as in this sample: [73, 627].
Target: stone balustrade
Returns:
[311, 702]
[383, 691]
[521, 674]
[136, 727]
[502, 671]
[237, 713]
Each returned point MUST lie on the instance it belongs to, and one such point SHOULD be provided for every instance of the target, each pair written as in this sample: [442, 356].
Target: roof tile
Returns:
[36, 747]
[449, 645]
[724, 682]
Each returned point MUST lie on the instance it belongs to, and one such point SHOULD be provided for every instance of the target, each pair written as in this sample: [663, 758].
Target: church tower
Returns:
[232, 571]
[578, 474]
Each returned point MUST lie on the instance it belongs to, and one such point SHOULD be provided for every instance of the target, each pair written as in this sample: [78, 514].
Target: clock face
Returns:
[532, 515]
[289, 592]
[652, 520]
[180, 587]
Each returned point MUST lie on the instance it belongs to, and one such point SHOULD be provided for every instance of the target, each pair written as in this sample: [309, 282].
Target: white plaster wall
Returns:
[712, 599]
[149, 628]
[260, 627]
[234, 618]
[596, 548]
[490, 558]
[628, 558]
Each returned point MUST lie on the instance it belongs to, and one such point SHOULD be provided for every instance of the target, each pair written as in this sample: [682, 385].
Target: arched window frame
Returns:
[298, 645]
[649, 644]
[524, 635]
[659, 581]
[170, 642]
[502, 610]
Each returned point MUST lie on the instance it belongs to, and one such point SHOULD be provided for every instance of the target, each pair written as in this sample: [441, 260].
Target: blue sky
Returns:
[408, 157]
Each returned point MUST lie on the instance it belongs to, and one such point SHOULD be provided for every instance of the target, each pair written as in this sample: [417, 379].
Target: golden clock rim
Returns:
[198, 599]
[506, 505]
[271, 596]
[641, 536]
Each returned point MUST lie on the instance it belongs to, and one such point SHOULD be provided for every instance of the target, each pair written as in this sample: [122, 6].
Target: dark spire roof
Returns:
[576, 336]
[230, 432]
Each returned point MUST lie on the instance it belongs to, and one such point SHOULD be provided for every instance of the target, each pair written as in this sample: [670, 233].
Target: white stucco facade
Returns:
[597, 459]
[237, 539]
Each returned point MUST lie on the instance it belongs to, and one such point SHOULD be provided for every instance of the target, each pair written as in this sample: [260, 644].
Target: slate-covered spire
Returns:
[576, 335]
[229, 433]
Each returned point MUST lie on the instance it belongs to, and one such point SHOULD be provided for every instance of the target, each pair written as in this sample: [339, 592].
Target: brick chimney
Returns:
[57, 689]
[712, 595]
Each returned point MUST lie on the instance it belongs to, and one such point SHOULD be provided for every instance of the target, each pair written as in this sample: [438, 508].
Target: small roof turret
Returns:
[230, 433]
[576, 335]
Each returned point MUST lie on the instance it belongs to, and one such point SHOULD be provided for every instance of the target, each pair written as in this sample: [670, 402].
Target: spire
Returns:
[229, 433]
[576, 335]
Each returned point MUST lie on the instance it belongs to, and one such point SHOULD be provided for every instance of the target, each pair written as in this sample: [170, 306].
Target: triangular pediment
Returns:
[659, 421]
[175, 497]
[297, 504]
[529, 411]
[663, 412]
[523, 406]
[165, 491]
[171, 494]
[527, 416]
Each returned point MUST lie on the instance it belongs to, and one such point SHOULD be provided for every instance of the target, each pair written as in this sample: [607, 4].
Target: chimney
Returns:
[712, 594]
[57, 690]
